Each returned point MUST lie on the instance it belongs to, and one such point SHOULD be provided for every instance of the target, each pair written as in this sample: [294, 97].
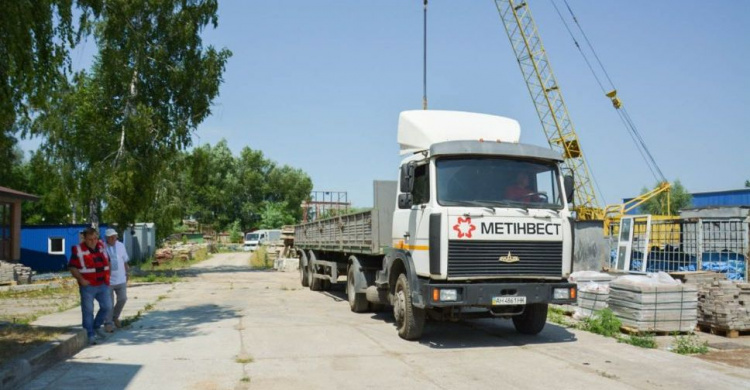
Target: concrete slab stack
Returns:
[654, 303]
[725, 305]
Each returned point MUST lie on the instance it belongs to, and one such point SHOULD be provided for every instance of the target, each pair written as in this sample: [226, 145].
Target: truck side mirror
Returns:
[405, 201]
[569, 185]
[407, 177]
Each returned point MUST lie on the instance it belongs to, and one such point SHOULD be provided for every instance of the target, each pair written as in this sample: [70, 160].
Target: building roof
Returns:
[13, 194]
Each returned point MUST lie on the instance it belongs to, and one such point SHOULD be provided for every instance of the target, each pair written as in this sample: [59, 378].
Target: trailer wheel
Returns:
[532, 320]
[409, 319]
[357, 301]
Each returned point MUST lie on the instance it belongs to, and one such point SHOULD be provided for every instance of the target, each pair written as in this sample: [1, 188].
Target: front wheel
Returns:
[532, 320]
[409, 319]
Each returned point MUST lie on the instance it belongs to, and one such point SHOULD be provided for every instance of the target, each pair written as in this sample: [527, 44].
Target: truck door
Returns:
[411, 226]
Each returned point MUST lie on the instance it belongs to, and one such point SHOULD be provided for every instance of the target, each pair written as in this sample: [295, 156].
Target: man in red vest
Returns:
[89, 264]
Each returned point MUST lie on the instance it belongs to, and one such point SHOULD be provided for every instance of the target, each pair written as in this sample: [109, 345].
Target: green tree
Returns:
[235, 233]
[747, 183]
[679, 198]
[121, 125]
[274, 215]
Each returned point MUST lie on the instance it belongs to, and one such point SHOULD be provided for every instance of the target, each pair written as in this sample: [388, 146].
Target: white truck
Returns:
[260, 237]
[458, 236]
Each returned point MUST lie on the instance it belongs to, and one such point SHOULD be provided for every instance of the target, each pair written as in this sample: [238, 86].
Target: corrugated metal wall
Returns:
[35, 242]
[717, 198]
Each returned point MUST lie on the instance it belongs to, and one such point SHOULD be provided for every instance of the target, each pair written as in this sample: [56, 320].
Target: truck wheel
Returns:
[532, 320]
[357, 301]
[409, 319]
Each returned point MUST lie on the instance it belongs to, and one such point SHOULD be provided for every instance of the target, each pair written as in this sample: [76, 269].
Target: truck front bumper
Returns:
[495, 294]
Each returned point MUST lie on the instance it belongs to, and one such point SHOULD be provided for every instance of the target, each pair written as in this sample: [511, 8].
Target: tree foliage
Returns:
[679, 198]
[747, 183]
[119, 126]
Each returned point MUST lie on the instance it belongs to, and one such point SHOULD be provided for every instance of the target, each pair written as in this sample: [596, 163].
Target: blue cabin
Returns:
[47, 248]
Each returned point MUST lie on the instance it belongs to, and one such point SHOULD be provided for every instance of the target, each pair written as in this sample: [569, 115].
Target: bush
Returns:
[689, 345]
[259, 259]
[602, 322]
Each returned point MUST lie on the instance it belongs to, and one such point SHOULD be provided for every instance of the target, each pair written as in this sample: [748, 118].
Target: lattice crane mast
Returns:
[548, 101]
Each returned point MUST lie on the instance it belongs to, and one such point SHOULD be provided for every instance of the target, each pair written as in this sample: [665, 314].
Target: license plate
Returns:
[509, 301]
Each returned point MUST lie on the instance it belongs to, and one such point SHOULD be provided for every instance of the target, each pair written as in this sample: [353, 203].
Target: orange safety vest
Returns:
[93, 266]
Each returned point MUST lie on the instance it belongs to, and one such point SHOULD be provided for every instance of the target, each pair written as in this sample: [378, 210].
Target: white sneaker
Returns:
[100, 335]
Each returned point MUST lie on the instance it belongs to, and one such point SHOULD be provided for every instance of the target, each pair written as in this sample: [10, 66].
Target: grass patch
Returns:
[243, 359]
[245, 379]
[260, 259]
[689, 345]
[155, 277]
[556, 315]
[17, 339]
[24, 307]
[603, 322]
[646, 340]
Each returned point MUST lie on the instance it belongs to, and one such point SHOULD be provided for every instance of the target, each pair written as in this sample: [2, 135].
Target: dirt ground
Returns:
[737, 358]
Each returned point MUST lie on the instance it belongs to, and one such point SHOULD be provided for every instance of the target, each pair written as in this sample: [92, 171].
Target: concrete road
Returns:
[231, 327]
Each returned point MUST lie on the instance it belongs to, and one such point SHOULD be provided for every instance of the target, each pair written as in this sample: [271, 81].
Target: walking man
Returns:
[89, 264]
[119, 279]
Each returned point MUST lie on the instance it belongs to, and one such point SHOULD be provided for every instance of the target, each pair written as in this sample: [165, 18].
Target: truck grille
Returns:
[482, 258]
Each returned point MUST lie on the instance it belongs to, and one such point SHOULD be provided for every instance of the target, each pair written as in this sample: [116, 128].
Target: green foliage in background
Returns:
[679, 198]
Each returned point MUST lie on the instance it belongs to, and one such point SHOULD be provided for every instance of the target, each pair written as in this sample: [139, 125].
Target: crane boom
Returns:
[548, 101]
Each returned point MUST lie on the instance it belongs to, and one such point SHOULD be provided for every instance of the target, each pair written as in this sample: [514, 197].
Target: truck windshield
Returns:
[251, 237]
[497, 182]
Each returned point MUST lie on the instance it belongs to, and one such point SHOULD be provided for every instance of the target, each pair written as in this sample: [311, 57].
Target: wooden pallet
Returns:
[719, 331]
[635, 332]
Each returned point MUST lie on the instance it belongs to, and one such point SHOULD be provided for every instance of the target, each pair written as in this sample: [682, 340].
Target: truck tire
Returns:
[532, 320]
[409, 319]
[357, 301]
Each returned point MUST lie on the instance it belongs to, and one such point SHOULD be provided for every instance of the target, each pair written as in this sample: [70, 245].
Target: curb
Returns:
[20, 370]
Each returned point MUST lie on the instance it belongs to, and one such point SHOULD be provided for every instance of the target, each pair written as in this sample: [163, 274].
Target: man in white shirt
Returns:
[118, 280]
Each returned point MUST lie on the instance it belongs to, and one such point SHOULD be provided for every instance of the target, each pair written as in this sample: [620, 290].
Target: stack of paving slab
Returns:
[698, 277]
[593, 292]
[654, 303]
[7, 275]
[14, 273]
[725, 305]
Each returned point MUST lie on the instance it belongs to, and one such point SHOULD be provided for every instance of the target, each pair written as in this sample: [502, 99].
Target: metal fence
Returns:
[671, 245]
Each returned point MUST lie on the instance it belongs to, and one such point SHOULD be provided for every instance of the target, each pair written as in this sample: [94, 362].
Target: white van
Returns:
[260, 237]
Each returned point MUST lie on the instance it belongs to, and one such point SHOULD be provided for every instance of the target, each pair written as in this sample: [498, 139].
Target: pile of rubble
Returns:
[182, 252]
[725, 305]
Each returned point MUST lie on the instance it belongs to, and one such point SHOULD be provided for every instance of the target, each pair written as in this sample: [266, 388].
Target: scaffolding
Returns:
[324, 204]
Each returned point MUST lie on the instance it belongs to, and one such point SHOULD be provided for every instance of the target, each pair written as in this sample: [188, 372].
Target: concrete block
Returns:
[22, 369]
[286, 264]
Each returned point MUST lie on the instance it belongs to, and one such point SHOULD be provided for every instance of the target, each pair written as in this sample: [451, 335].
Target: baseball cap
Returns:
[110, 232]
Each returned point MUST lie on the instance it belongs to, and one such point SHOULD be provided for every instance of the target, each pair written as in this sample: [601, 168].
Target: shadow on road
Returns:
[473, 333]
[90, 376]
[169, 325]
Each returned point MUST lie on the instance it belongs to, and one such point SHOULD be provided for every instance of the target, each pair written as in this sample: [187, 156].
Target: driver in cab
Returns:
[520, 191]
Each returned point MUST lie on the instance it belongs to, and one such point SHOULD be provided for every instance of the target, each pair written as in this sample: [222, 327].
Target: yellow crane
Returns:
[553, 113]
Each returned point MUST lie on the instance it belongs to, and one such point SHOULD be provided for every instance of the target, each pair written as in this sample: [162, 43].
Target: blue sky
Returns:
[319, 85]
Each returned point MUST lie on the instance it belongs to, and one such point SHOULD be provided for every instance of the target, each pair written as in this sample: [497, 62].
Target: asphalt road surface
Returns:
[230, 327]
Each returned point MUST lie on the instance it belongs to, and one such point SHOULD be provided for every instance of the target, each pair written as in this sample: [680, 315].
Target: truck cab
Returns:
[482, 223]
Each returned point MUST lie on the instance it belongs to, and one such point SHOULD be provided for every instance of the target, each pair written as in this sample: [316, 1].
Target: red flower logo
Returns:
[464, 227]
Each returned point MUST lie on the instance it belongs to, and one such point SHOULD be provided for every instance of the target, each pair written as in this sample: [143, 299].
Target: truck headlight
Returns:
[562, 293]
[448, 294]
